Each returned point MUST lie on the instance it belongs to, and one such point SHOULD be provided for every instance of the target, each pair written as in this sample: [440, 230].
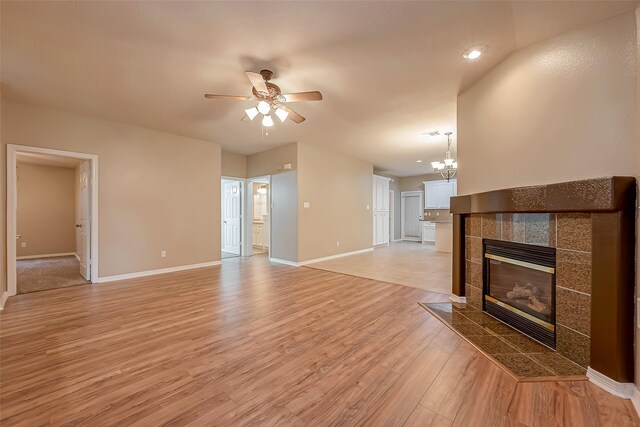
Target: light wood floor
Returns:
[403, 263]
[253, 343]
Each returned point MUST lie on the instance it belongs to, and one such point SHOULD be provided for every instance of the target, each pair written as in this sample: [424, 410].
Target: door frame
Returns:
[402, 212]
[242, 211]
[12, 206]
[266, 179]
[392, 216]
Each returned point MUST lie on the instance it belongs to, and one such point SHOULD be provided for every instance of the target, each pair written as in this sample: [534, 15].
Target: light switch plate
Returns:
[306, 204]
[287, 166]
[23, 244]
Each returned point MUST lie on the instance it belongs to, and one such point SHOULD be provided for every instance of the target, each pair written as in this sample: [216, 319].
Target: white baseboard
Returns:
[77, 257]
[456, 298]
[623, 390]
[313, 261]
[46, 255]
[635, 399]
[158, 271]
[3, 299]
[285, 262]
[327, 258]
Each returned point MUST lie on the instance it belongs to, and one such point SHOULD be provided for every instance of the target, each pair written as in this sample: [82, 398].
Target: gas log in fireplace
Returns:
[519, 287]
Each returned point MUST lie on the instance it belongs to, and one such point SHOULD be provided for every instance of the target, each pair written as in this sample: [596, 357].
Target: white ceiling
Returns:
[389, 71]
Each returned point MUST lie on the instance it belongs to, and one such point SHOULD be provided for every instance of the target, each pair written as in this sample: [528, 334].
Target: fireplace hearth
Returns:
[519, 287]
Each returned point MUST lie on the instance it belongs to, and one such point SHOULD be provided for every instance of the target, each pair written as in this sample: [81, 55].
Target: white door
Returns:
[83, 222]
[231, 217]
[411, 217]
[385, 228]
[381, 225]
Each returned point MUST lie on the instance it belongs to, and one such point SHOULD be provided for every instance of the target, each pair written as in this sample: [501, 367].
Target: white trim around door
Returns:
[248, 226]
[403, 195]
[12, 204]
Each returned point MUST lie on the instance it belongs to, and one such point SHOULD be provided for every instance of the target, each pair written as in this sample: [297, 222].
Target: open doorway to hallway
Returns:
[231, 218]
[52, 218]
[259, 216]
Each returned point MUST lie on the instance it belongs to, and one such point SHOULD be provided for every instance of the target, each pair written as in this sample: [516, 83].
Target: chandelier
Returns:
[449, 167]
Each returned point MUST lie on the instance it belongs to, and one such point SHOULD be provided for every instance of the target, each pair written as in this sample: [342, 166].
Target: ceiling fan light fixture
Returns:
[435, 164]
[267, 121]
[264, 107]
[251, 112]
[282, 114]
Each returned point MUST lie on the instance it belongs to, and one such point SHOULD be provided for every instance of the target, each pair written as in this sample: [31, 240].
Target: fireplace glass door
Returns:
[519, 287]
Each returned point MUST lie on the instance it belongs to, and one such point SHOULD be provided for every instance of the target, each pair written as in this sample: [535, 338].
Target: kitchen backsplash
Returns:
[437, 215]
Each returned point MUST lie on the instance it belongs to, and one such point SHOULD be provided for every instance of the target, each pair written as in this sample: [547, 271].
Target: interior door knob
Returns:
[78, 225]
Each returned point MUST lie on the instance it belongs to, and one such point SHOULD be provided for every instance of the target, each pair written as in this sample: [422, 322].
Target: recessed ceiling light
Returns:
[474, 52]
[418, 161]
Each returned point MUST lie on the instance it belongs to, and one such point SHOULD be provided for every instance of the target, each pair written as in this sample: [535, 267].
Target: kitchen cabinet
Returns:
[428, 232]
[380, 193]
[258, 234]
[380, 210]
[380, 228]
[437, 193]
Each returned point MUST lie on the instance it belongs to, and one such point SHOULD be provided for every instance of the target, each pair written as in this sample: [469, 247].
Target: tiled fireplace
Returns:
[569, 238]
[557, 263]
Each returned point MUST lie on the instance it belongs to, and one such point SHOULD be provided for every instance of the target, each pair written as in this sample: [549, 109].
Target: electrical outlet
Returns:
[338, 243]
[163, 254]
[23, 244]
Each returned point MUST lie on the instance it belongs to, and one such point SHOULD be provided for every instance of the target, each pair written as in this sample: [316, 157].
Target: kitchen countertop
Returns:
[446, 221]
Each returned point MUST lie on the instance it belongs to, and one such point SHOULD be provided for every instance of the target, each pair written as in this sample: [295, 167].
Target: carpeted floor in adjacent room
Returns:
[40, 274]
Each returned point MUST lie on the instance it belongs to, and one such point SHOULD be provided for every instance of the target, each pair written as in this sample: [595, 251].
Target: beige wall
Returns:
[338, 188]
[415, 183]
[234, 165]
[46, 209]
[559, 110]
[284, 197]
[563, 109]
[284, 216]
[156, 191]
[271, 161]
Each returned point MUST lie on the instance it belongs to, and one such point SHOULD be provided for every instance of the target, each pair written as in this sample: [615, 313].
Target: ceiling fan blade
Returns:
[301, 96]
[234, 97]
[292, 114]
[258, 82]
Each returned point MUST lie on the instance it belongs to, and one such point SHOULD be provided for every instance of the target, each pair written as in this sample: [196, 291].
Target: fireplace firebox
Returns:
[519, 287]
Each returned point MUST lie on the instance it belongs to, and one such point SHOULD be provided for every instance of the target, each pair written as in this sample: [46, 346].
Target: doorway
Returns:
[258, 216]
[231, 227]
[411, 214]
[52, 212]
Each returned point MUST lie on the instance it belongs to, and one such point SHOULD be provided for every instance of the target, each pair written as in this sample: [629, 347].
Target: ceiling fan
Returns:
[270, 98]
